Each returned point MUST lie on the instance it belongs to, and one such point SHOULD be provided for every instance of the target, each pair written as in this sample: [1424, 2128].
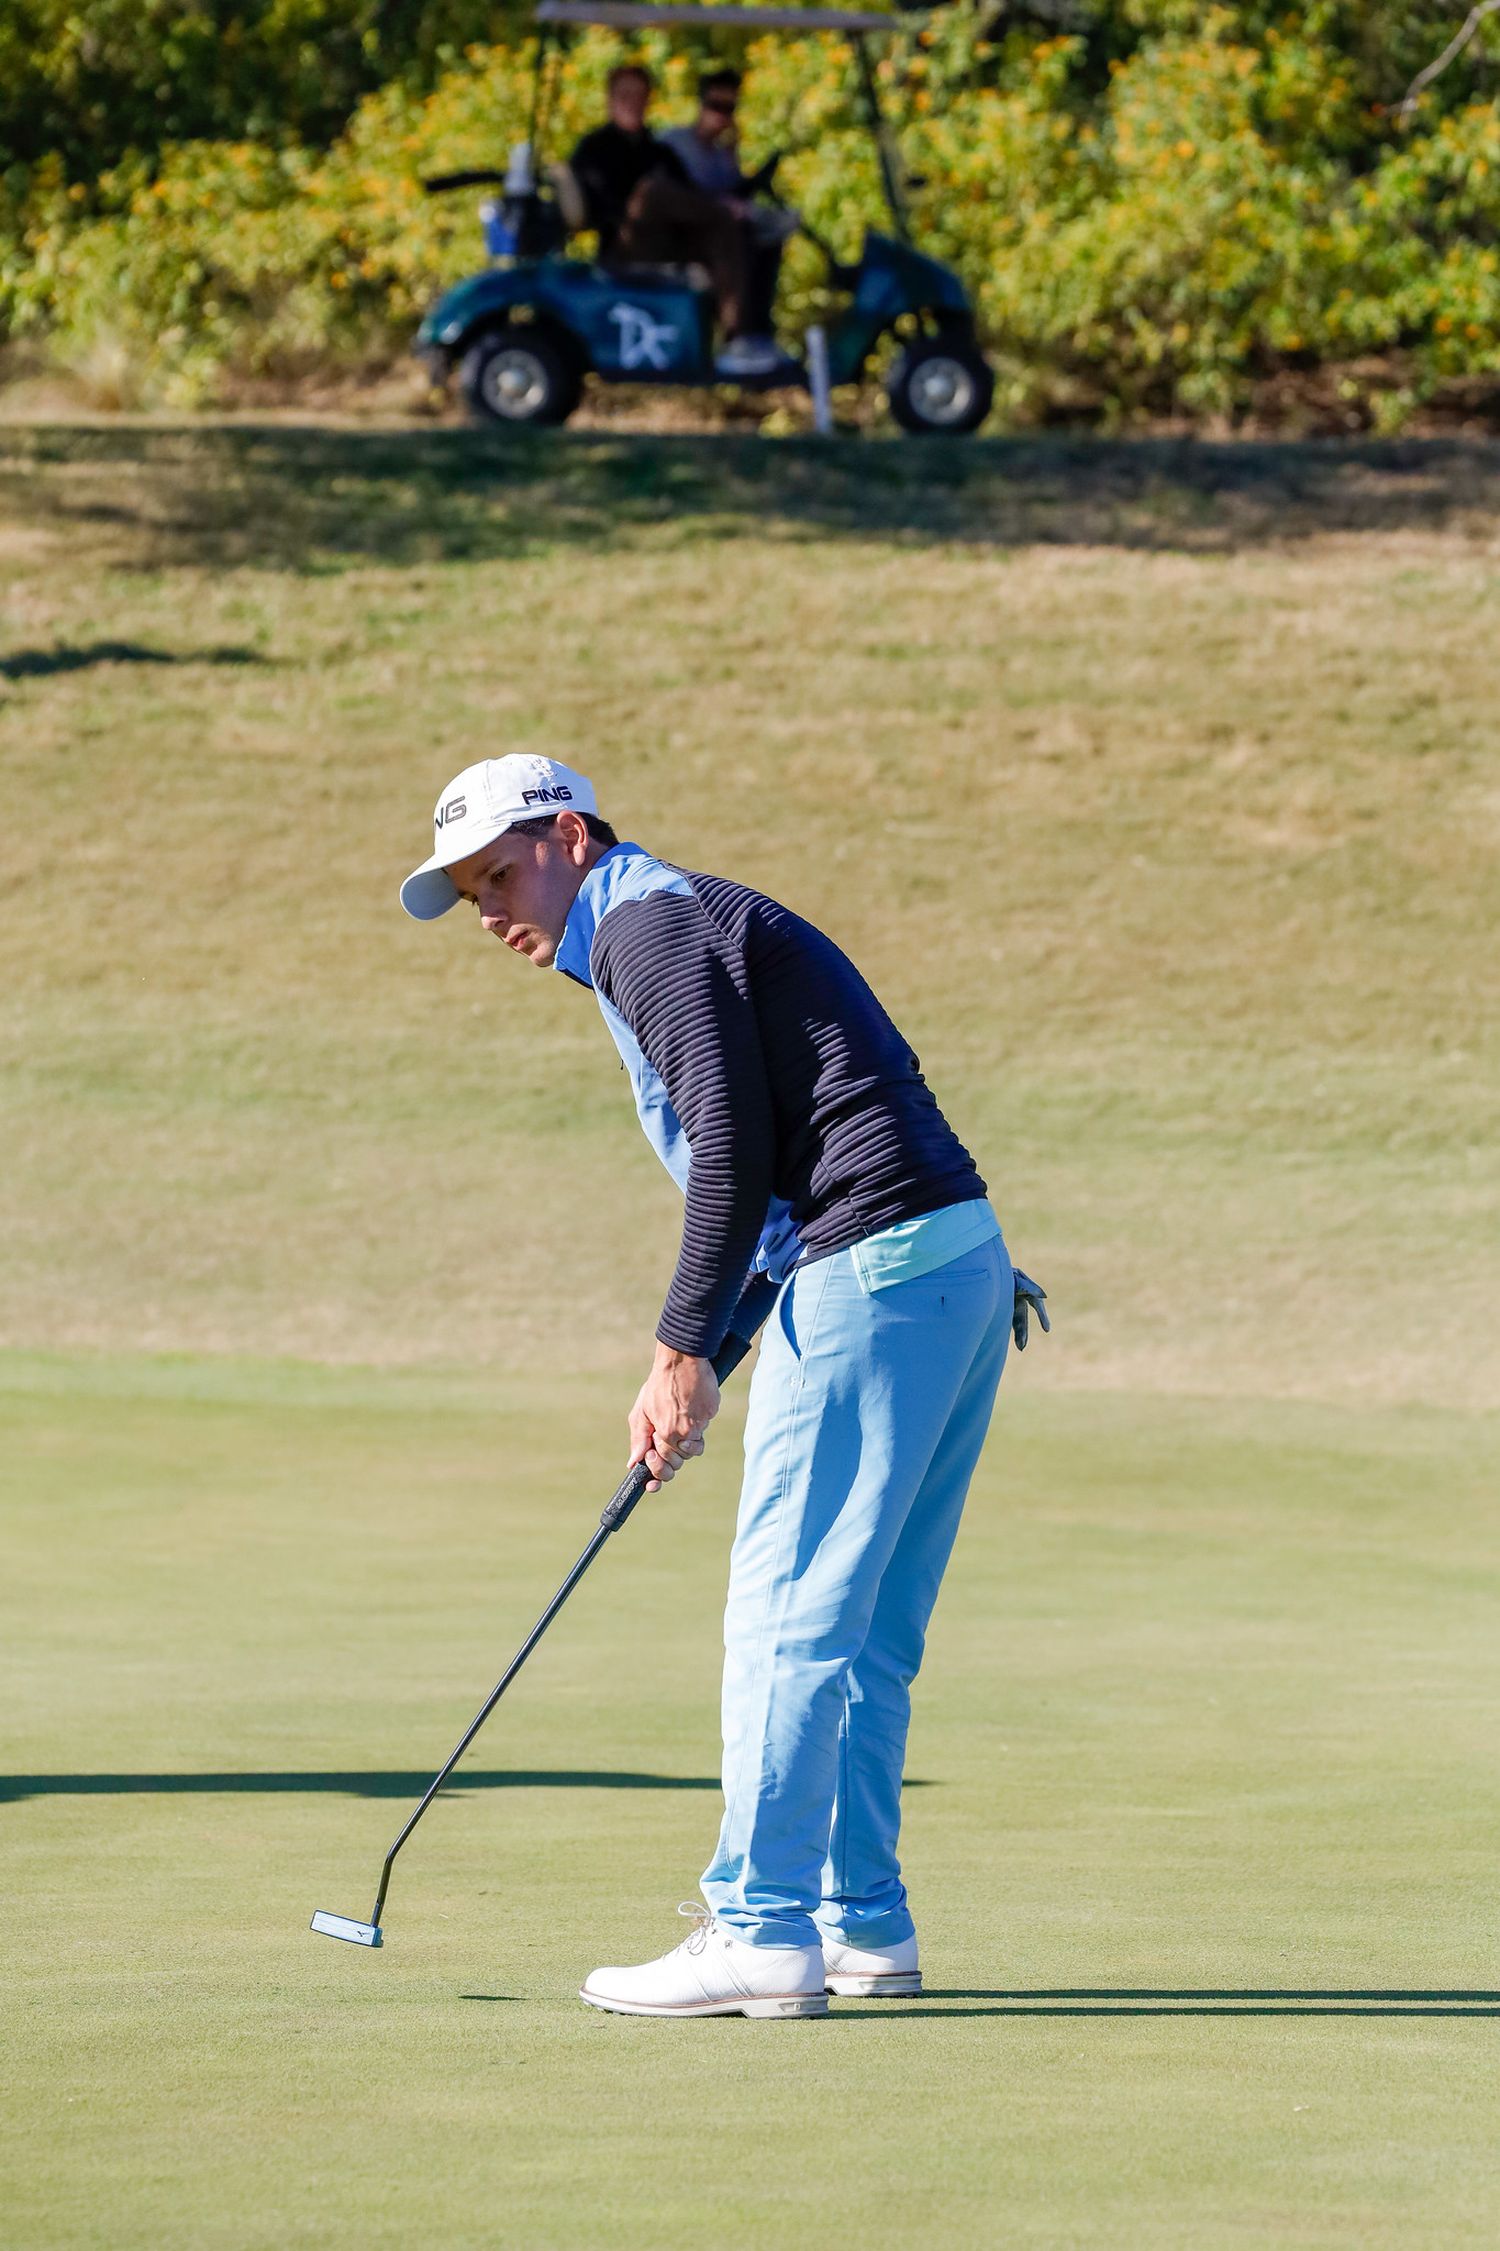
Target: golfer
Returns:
[794, 1115]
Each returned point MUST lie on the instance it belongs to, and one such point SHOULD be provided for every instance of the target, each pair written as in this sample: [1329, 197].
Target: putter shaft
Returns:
[629, 1492]
[748, 1316]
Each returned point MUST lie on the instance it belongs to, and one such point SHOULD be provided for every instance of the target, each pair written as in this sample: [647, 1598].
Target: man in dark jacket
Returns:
[647, 212]
[810, 1149]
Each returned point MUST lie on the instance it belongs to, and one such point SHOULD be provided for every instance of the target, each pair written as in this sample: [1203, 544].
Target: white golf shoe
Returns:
[868, 1973]
[749, 356]
[712, 1974]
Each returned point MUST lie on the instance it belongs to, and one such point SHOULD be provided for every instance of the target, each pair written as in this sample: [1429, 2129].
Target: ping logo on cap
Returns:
[559, 796]
[454, 810]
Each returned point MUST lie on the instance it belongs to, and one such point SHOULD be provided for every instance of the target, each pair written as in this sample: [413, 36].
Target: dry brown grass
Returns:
[1154, 787]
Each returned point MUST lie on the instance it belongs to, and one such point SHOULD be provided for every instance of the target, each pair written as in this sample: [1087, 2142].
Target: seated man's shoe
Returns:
[868, 1973]
[748, 355]
[712, 1974]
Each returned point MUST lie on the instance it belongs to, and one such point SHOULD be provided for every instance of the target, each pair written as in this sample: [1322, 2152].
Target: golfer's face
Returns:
[523, 887]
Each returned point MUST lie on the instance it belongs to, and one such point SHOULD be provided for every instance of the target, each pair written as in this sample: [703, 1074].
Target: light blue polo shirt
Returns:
[917, 1246]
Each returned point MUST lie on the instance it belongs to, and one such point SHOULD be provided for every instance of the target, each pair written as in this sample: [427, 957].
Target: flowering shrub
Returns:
[1155, 229]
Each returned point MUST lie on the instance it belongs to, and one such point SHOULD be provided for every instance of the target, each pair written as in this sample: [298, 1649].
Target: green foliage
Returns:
[88, 84]
[1161, 211]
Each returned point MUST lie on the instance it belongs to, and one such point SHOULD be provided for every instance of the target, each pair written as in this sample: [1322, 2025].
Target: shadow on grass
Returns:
[302, 498]
[1128, 2001]
[42, 664]
[398, 1783]
[1206, 2001]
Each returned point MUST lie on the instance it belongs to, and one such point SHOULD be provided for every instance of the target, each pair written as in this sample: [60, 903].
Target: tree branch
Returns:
[1454, 48]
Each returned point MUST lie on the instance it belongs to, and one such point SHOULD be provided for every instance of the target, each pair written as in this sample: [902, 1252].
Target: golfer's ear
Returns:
[573, 830]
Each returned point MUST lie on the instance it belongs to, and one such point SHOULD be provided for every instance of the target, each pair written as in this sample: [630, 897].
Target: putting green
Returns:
[1155, 788]
[1202, 1838]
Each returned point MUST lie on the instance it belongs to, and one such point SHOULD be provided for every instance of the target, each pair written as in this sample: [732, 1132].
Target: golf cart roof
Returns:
[651, 15]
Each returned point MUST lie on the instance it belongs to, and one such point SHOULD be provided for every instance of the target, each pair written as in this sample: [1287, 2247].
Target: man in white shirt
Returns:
[708, 151]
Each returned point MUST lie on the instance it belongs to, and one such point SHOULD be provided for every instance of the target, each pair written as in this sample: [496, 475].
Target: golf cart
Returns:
[523, 334]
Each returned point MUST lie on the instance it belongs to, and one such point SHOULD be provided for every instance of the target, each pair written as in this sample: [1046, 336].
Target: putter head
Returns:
[340, 1926]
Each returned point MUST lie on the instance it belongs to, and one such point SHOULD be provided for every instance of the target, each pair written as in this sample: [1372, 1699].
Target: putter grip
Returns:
[746, 1321]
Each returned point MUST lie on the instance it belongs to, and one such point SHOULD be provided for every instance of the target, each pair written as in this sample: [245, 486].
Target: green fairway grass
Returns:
[1155, 787]
[1202, 1839]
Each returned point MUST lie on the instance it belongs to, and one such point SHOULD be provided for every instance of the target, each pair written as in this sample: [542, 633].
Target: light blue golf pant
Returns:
[867, 1413]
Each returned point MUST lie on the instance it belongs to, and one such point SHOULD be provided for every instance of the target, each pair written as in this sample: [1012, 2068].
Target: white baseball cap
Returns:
[480, 804]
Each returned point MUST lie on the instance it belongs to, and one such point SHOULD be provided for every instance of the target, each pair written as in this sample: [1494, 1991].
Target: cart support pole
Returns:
[882, 146]
[817, 380]
[537, 122]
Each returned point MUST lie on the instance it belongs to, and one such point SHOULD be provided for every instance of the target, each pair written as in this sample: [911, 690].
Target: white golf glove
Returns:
[1030, 1298]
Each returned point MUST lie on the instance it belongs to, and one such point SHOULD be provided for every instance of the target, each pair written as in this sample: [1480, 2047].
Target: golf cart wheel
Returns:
[518, 376]
[941, 386]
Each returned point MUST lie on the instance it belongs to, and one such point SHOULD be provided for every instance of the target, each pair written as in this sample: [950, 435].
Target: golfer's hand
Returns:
[677, 1402]
[1030, 1298]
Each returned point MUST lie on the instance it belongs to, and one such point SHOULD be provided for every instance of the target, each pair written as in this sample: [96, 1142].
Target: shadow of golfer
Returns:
[1192, 2001]
[397, 1783]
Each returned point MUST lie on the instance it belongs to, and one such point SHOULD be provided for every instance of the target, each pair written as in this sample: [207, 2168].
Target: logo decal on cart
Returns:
[644, 342]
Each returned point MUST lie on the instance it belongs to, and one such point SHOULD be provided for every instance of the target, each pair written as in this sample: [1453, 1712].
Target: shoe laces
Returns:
[702, 1921]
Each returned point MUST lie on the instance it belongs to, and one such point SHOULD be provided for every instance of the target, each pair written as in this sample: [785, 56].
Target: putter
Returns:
[746, 1321]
